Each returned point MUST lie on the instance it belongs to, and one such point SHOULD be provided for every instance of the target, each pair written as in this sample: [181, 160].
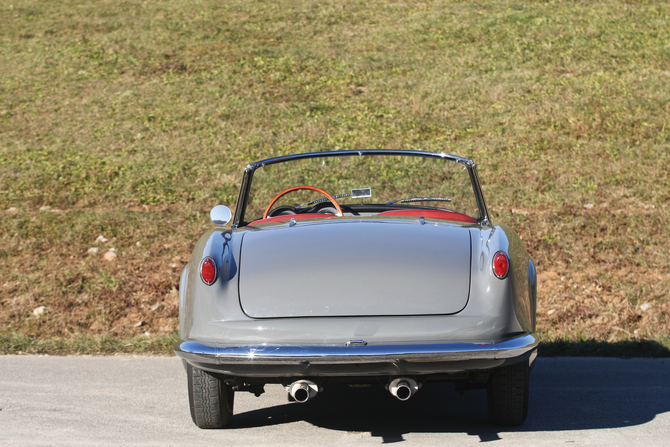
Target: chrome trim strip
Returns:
[333, 355]
[477, 187]
[282, 158]
[242, 197]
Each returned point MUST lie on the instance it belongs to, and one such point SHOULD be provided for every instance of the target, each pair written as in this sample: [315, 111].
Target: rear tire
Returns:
[210, 399]
[508, 394]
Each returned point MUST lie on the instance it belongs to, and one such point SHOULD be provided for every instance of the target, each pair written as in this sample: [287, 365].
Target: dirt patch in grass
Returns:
[601, 284]
[122, 281]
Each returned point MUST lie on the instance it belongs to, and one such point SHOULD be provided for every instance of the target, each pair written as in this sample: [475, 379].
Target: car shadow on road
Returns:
[566, 394]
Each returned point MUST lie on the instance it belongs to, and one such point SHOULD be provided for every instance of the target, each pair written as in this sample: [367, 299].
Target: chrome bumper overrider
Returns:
[346, 360]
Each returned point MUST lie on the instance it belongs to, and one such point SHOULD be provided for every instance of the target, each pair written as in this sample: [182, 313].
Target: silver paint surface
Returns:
[355, 268]
[496, 308]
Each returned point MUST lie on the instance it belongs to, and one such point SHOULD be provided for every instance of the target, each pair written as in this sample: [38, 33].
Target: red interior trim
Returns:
[428, 214]
[431, 214]
[293, 216]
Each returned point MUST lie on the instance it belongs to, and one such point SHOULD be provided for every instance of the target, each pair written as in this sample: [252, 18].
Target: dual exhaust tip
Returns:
[303, 390]
[403, 388]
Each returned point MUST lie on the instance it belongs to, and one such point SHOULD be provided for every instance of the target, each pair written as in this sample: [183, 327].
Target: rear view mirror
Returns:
[220, 215]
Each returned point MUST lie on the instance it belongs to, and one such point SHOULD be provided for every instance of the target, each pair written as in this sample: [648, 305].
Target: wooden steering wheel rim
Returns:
[295, 188]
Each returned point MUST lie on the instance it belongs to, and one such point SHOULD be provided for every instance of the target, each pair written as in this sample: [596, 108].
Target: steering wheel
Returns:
[296, 188]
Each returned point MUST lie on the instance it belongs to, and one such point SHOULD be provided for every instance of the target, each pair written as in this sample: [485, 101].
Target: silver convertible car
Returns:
[366, 268]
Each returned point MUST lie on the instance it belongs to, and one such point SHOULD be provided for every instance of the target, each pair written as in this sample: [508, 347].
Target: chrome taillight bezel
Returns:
[493, 264]
[216, 270]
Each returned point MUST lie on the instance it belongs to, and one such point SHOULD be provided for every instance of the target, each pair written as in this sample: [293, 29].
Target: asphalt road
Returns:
[143, 401]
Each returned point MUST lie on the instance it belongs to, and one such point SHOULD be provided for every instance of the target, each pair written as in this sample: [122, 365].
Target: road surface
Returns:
[143, 401]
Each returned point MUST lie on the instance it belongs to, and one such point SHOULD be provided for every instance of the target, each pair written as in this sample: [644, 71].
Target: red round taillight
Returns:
[208, 271]
[500, 265]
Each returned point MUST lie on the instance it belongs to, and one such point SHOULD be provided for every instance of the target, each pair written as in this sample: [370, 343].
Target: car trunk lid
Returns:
[359, 268]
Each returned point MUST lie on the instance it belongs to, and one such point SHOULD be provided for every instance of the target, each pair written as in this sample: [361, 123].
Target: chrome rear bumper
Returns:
[285, 361]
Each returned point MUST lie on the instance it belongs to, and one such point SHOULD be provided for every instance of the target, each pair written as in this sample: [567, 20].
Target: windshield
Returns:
[362, 185]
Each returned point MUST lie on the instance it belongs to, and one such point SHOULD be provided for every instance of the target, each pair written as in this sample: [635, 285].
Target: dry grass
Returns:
[131, 120]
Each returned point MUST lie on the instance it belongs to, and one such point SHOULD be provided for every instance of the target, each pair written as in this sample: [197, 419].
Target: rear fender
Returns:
[199, 304]
[511, 298]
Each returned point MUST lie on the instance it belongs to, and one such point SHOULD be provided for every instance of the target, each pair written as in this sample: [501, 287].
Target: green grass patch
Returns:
[17, 343]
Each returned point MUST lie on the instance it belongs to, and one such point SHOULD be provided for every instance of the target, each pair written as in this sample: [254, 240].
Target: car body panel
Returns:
[213, 315]
[355, 267]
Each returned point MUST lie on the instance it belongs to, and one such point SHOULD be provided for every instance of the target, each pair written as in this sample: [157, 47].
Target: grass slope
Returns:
[131, 120]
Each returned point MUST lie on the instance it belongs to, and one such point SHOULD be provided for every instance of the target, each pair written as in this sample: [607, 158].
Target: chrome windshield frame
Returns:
[248, 174]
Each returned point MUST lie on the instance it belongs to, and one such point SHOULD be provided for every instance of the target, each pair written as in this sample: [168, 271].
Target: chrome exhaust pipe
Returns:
[302, 390]
[403, 388]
